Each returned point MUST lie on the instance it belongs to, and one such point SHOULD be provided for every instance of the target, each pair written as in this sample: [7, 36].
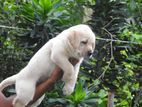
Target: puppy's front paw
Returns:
[67, 90]
[66, 78]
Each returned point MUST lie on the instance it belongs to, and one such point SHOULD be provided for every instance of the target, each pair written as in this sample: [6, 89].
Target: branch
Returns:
[103, 39]
[16, 28]
[111, 22]
[112, 57]
[102, 75]
[114, 40]
[121, 41]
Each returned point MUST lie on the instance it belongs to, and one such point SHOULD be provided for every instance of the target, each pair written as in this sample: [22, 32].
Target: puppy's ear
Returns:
[73, 39]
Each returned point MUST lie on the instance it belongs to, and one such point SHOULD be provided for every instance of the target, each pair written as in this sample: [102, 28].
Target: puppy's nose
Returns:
[90, 53]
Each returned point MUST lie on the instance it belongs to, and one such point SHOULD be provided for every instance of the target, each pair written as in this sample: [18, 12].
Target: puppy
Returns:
[76, 42]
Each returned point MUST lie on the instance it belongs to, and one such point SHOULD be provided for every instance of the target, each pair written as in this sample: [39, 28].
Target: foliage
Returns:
[115, 66]
[45, 17]
[39, 21]
[83, 96]
[114, 63]
[11, 55]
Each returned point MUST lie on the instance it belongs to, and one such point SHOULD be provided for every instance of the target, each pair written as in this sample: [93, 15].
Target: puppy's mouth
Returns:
[88, 55]
[85, 55]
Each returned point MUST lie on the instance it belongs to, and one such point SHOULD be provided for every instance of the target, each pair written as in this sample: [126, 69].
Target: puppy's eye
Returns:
[84, 42]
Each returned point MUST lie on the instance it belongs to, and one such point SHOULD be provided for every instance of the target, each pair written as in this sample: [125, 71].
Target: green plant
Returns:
[114, 64]
[47, 18]
[82, 96]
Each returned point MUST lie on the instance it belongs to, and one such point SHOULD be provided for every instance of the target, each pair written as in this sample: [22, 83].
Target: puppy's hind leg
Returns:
[25, 92]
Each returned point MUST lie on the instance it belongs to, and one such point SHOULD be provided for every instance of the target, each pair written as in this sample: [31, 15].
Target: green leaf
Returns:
[80, 94]
[102, 93]
[132, 5]
[55, 100]
[52, 94]
[46, 5]
[91, 101]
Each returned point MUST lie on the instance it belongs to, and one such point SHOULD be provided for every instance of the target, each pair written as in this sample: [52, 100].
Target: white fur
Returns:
[57, 51]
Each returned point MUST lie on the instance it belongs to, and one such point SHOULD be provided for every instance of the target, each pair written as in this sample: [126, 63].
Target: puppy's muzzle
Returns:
[89, 54]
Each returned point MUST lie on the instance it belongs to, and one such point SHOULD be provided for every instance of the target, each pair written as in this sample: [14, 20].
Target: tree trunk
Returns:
[110, 99]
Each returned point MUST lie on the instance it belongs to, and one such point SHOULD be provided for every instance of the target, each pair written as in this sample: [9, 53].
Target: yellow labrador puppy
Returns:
[77, 42]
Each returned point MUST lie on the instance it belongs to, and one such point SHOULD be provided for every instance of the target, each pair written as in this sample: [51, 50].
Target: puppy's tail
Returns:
[9, 81]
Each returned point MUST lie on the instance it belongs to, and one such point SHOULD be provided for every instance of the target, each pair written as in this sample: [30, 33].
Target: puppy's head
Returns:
[82, 40]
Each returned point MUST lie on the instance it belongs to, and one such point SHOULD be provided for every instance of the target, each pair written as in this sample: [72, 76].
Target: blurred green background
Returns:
[113, 77]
